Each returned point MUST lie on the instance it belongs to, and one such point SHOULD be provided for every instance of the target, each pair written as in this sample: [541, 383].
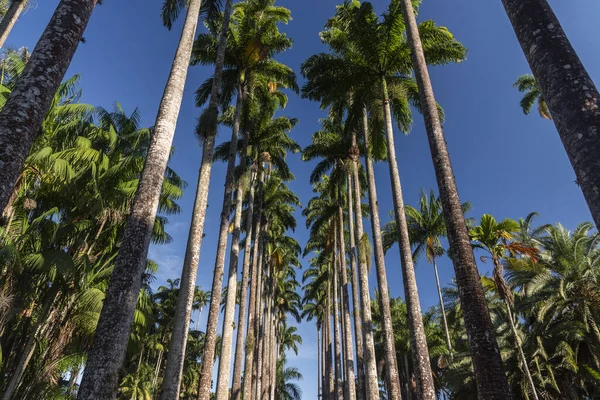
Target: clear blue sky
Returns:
[506, 164]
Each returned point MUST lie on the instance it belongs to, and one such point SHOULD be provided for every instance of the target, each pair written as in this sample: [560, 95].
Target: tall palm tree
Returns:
[533, 94]
[493, 237]
[489, 372]
[28, 103]
[426, 227]
[108, 350]
[556, 66]
[10, 19]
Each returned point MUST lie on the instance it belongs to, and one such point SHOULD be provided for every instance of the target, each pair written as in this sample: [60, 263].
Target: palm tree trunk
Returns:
[236, 389]
[255, 285]
[349, 357]
[492, 383]
[259, 307]
[384, 296]
[371, 381]
[222, 392]
[336, 331]
[274, 352]
[10, 19]
[22, 115]
[266, 337]
[261, 343]
[329, 350]
[100, 379]
[442, 307]
[570, 93]
[319, 373]
[198, 319]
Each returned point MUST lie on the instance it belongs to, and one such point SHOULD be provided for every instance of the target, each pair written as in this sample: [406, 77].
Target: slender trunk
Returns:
[418, 340]
[371, 381]
[274, 350]
[259, 307]
[100, 379]
[336, 331]
[157, 369]
[29, 348]
[259, 349]
[10, 19]
[236, 389]
[570, 93]
[349, 357]
[329, 351]
[198, 319]
[324, 393]
[389, 345]
[250, 342]
[442, 307]
[319, 374]
[264, 382]
[355, 297]
[491, 380]
[22, 115]
[229, 315]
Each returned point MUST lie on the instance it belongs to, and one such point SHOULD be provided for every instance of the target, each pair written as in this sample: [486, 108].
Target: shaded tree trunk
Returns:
[236, 388]
[442, 307]
[371, 381]
[319, 358]
[336, 331]
[255, 285]
[491, 380]
[418, 340]
[329, 351]
[110, 343]
[229, 315]
[349, 376]
[259, 307]
[355, 297]
[10, 19]
[26, 106]
[570, 93]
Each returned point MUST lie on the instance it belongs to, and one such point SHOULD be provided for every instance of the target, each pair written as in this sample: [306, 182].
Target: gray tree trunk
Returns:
[319, 373]
[261, 340]
[348, 354]
[100, 379]
[28, 103]
[355, 297]
[492, 383]
[370, 364]
[442, 307]
[570, 93]
[250, 342]
[236, 389]
[259, 308]
[336, 331]
[229, 315]
[329, 351]
[10, 19]
[418, 340]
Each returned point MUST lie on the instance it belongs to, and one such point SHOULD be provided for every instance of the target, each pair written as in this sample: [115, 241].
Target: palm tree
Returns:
[284, 388]
[10, 19]
[201, 299]
[533, 94]
[493, 237]
[106, 356]
[491, 380]
[555, 66]
[426, 227]
[24, 111]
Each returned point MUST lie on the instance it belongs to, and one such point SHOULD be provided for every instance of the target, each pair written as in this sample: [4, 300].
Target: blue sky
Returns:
[505, 163]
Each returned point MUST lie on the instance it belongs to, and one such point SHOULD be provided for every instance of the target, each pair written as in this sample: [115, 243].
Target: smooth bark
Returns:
[236, 388]
[492, 383]
[349, 377]
[10, 19]
[360, 391]
[418, 340]
[333, 275]
[371, 380]
[442, 307]
[26, 106]
[570, 93]
[100, 378]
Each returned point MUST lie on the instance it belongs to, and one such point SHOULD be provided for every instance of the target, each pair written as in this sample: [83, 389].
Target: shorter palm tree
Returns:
[533, 94]
[285, 389]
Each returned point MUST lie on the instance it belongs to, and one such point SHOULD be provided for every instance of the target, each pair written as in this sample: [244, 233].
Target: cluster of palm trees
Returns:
[80, 189]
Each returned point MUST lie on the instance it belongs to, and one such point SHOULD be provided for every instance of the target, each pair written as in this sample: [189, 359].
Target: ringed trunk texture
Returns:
[27, 105]
[10, 19]
[418, 341]
[100, 378]
[250, 342]
[355, 297]
[217, 285]
[229, 315]
[371, 380]
[570, 93]
[236, 388]
[350, 387]
[492, 383]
